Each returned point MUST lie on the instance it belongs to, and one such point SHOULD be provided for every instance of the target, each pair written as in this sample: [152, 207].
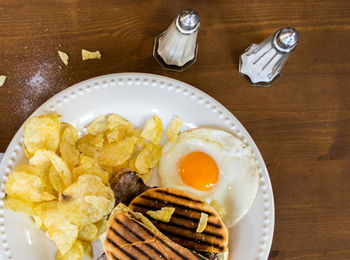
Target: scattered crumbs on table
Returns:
[64, 57]
[88, 55]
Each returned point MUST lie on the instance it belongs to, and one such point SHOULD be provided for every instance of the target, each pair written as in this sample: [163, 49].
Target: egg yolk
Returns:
[198, 170]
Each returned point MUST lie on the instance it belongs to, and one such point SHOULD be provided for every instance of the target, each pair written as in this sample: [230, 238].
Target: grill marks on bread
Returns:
[129, 239]
[183, 224]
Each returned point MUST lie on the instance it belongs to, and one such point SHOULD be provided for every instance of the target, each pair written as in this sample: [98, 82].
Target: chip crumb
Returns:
[202, 224]
[163, 214]
[2, 80]
[88, 55]
[64, 57]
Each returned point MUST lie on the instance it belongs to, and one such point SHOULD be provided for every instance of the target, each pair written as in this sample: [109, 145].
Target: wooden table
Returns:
[301, 124]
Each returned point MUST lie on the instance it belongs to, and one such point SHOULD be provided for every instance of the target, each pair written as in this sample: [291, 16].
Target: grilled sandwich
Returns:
[182, 227]
[130, 235]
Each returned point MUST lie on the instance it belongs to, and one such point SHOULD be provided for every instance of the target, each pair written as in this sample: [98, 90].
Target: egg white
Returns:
[238, 179]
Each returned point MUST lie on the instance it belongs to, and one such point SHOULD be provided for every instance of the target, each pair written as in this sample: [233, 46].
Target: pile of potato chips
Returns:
[65, 185]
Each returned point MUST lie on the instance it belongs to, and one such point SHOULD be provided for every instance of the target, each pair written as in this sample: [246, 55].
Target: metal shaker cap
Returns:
[262, 63]
[187, 21]
[286, 39]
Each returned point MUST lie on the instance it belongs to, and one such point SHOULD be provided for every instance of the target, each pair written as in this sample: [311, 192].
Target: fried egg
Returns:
[214, 165]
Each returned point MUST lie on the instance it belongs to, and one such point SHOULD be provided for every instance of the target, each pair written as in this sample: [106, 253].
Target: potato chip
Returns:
[131, 165]
[218, 208]
[99, 202]
[67, 149]
[164, 214]
[41, 132]
[76, 252]
[88, 165]
[140, 142]
[117, 153]
[2, 80]
[59, 227]
[101, 225]
[60, 166]
[64, 57]
[88, 55]
[40, 160]
[173, 129]
[148, 158]
[119, 128]
[88, 232]
[153, 130]
[145, 176]
[115, 120]
[80, 211]
[26, 207]
[25, 186]
[55, 180]
[98, 126]
[87, 249]
[90, 145]
[41, 173]
[202, 224]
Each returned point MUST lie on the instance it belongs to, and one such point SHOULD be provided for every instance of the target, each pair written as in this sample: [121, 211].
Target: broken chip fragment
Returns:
[90, 55]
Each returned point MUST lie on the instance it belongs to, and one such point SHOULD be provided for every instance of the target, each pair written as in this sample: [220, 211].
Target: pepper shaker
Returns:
[176, 48]
[263, 62]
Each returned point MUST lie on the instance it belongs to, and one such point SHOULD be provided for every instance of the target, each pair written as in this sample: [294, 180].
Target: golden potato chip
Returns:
[101, 225]
[88, 55]
[26, 207]
[119, 128]
[60, 166]
[131, 165]
[173, 129]
[76, 252]
[40, 172]
[74, 205]
[148, 158]
[117, 153]
[55, 180]
[153, 130]
[40, 160]
[145, 176]
[202, 224]
[2, 80]
[67, 149]
[115, 120]
[87, 249]
[64, 57]
[88, 232]
[59, 228]
[25, 186]
[88, 165]
[98, 126]
[140, 142]
[99, 202]
[90, 145]
[41, 132]
[164, 214]
[218, 208]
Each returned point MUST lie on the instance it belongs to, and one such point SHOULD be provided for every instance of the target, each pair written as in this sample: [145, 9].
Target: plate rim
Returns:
[154, 80]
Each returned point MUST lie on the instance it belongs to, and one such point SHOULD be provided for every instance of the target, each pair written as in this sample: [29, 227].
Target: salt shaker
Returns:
[263, 62]
[176, 48]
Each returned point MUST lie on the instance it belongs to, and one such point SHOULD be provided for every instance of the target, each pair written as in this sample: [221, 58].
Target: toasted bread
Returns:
[130, 235]
[184, 221]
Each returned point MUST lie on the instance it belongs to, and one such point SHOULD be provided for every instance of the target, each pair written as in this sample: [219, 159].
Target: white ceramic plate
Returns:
[137, 96]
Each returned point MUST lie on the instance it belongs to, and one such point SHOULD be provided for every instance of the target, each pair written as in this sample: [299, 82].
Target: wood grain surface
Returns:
[301, 124]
